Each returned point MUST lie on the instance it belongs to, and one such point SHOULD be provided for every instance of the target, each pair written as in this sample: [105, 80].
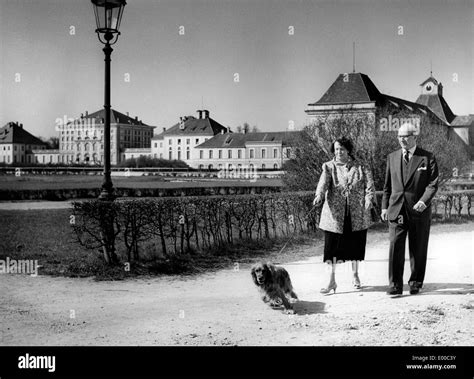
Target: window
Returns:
[252, 153]
[275, 166]
[263, 166]
[170, 155]
[229, 154]
[210, 154]
[275, 153]
[161, 144]
[239, 154]
[14, 147]
[187, 141]
[179, 154]
[169, 143]
[156, 144]
[197, 141]
[201, 154]
[220, 154]
[188, 155]
[179, 141]
[264, 153]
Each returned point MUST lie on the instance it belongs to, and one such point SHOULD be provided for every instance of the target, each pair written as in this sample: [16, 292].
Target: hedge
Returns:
[199, 223]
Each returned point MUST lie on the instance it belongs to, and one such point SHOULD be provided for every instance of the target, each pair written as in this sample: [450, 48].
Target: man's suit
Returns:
[405, 185]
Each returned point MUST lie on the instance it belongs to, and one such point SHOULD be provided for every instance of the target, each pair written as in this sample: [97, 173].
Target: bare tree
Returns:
[374, 136]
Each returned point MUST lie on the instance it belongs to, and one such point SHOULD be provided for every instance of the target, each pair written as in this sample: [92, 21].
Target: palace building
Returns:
[82, 140]
[19, 146]
[355, 94]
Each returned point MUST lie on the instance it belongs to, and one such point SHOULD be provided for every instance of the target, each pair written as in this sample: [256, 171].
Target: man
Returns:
[411, 181]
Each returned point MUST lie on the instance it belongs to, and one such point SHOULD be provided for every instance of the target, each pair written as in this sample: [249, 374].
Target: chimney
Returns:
[21, 126]
[128, 115]
[136, 118]
[82, 115]
[164, 129]
[87, 113]
[200, 113]
[206, 113]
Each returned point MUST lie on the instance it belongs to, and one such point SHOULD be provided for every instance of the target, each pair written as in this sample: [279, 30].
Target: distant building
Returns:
[262, 150]
[432, 96]
[356, 94]
[17, 145]
[82, 140]
[180, 140]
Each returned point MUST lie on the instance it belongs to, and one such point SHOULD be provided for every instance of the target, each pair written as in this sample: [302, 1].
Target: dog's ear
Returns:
[254, 277]
[269, 270]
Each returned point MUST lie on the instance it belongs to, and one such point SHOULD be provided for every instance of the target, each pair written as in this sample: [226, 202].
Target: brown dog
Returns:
[275, 284]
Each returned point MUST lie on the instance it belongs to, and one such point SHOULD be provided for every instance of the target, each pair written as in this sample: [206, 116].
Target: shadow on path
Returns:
[430, 289]
[302, 307]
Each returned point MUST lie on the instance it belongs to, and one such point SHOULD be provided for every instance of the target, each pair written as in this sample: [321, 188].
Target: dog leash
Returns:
[291, 237]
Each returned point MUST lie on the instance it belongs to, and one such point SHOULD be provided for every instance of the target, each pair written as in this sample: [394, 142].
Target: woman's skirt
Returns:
[348, 246]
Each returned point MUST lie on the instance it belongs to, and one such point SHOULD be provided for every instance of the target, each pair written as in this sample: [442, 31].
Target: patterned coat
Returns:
[334, 185]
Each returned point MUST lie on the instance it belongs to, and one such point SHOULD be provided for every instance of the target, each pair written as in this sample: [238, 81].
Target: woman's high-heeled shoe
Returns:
[331, 287]
[328, 289]
[356, 282]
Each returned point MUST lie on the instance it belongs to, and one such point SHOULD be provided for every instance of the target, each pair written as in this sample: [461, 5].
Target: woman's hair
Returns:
[346, 142]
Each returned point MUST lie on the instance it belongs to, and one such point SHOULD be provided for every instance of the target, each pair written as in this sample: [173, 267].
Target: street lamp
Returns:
[108, 14]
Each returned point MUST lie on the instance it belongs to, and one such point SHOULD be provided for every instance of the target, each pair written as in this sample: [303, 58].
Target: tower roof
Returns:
[438, 105]
[430, 79]
[350, 88]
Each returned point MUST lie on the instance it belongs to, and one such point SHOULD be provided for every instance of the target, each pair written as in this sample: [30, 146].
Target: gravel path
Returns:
[224, 308]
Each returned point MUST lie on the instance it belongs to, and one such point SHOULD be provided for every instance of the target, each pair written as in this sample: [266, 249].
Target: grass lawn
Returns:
[43, 182]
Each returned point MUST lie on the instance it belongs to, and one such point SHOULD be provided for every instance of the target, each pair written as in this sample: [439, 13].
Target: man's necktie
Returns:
[405, 156]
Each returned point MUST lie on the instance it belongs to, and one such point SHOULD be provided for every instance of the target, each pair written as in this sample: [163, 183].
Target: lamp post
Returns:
[108, 14]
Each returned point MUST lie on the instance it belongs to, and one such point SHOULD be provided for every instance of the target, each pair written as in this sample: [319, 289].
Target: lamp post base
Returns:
[107, 192]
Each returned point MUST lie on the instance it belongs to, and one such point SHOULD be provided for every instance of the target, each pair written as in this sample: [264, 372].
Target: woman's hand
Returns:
[317, 201]
[368, 204]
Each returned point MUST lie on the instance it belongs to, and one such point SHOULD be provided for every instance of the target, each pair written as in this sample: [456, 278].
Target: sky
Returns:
[52, 64]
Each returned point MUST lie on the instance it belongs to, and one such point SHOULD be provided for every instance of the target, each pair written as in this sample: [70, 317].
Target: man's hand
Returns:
[420, 206]
[384, 215]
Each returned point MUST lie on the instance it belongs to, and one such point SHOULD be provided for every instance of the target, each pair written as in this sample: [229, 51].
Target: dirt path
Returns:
[224, 308]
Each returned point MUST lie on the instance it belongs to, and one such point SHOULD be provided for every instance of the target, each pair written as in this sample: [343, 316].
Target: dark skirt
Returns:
[348, 246]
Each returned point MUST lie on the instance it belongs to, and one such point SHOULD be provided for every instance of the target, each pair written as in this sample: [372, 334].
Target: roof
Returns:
[194, 126]
[438, 105]
[116, 117]
[430, 79]
[13, 132]
[409, 106]
[350, 88]
[463, 121]
[239, 140]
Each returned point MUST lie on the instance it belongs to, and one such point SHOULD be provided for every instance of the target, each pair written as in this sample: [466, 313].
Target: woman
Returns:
[347, 190]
